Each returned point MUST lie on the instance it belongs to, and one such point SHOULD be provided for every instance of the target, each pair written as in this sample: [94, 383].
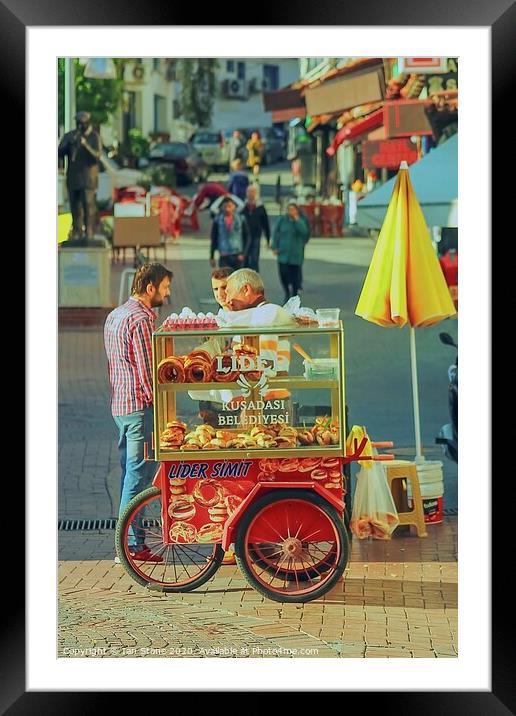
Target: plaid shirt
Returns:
[128, 342]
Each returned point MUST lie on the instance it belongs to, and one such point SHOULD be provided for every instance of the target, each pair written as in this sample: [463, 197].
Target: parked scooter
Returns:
[448, 434]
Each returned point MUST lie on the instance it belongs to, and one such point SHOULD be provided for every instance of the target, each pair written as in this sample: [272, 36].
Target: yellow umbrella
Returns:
[404, 282]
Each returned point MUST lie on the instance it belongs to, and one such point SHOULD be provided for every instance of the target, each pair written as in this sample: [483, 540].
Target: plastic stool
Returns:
[406, 470]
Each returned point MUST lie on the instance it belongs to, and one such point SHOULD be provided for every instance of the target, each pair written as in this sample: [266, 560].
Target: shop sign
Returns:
[406, 118]
[423, 65]
[80, 275]
[448, 81]
[388, 153]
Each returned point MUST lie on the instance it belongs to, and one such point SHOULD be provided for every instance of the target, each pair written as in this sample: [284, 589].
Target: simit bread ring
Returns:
[232, 502]
[319, 475]
[183, 533]
[200, 354]
[230, 376]
[330, 463]
[171, 370]
[181, 510]
[210, 532]
[197, 371]
[207, 493]
[306, 464]
[305, 437]
[288, 464]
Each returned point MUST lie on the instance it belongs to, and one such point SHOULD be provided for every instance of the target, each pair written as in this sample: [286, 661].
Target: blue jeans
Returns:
[133, 431]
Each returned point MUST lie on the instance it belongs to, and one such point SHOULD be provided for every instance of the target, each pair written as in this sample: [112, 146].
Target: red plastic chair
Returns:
[311, 211]
[331, 219]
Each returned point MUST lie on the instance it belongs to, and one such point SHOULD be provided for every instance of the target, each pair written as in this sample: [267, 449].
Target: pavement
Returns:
[397, 599]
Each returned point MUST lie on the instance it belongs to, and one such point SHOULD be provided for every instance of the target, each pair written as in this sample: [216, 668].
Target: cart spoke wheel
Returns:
[292, 545]
[181, 568]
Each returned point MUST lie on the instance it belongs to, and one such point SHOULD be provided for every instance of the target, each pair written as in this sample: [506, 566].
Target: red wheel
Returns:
[264, 555]
[168, 567]
[292, 545]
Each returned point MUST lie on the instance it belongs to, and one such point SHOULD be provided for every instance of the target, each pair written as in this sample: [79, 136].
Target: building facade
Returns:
[151, 99]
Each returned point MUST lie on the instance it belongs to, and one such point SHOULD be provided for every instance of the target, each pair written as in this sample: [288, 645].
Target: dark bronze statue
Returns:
[82, 146]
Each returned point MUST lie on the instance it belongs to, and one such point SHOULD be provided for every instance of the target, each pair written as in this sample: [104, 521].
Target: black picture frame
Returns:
[500, 16]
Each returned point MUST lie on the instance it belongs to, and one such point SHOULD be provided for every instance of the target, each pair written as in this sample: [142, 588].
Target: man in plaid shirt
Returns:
[128, 342]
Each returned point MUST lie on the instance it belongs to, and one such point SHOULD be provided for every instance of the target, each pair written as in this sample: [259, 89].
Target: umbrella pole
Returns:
[415, 394]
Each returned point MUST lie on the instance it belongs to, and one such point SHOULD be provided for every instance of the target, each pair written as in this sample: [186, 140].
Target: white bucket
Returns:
[431, 485]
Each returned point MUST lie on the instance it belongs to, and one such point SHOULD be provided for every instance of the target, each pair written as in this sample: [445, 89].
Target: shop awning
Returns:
[345, 90]
[353, 130]
[435, 182]
[282, 99]
[285, 115]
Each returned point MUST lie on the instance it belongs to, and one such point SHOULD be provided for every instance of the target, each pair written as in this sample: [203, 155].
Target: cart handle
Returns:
[359, 448]
[383, 444]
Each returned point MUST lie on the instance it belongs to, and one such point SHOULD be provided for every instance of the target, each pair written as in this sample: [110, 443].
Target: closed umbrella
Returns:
[404, 282]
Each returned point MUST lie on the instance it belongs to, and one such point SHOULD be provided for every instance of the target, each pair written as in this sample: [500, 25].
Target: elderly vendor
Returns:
[245, 295]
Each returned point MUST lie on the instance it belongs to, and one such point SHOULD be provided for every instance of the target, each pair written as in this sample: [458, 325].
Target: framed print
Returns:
[65, 647]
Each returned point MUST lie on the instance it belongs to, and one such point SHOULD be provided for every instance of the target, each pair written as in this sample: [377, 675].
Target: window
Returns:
[176, 108]
[156, 64]
[160, 114]
[271, 76]
[230, 66]
[241, 70]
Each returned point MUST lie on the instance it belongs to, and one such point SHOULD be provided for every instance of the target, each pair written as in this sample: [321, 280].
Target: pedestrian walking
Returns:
[238, 180]
[257, 220]
[236, 146]
[128, 344]
[207, 194]
[255, 149]
[82, 147]
[289, 237]
[229, 236]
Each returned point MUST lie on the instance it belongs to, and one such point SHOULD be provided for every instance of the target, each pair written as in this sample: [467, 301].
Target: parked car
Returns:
[213, 147]
[188, 163]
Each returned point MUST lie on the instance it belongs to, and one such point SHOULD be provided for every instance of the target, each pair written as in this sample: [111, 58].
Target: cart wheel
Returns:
[264, 555]
[292, 545]
[183, 567]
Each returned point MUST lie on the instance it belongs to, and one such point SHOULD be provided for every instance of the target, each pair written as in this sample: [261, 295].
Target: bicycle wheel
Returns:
[292, 545]
[183, 567]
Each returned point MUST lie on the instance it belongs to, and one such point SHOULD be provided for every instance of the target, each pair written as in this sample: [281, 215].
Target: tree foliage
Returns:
[99, 97]
[197, 78]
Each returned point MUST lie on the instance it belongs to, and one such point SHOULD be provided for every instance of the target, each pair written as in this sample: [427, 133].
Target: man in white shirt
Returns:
[245, 294]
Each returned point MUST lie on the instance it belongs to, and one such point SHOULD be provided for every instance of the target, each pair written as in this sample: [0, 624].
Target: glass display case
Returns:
[248, 393]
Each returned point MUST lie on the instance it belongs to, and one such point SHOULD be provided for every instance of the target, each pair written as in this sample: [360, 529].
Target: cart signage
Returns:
[220, 470]
[247, 363]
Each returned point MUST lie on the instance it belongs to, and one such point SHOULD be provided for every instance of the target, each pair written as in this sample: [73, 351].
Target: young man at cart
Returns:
[128, 343]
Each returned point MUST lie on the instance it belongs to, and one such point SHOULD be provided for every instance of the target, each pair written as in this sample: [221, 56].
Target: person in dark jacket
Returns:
[229, 236]
[258, 223]
[82, 146]
[238, 180]
[290, 235]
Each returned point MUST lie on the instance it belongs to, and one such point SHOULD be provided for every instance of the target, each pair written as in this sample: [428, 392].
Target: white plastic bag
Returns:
[374, 512]
[302, 315]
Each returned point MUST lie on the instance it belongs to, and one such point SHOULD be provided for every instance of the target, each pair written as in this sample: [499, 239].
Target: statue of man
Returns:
[82, 146]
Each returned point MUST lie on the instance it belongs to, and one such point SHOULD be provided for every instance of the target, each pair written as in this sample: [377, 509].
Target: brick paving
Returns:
[398, 599]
